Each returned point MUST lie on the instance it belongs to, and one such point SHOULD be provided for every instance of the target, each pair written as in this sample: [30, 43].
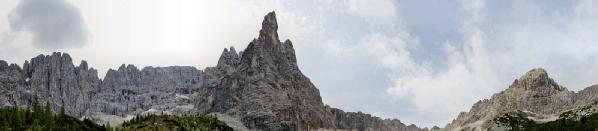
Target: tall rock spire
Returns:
[269, 31]
[267, 53]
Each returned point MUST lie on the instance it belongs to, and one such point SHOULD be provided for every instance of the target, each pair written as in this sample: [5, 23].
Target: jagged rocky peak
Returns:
[534, 74]
[83, 65]
[534, 93]
[268, 53]
[128, 67]
[10, 76]
[536, 79]
[4, 64]
[55, 79]
[228, 57]
[269, 28]
[124, 74]
[55, 61]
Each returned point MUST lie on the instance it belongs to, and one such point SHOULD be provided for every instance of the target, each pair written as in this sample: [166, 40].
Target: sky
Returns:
[421, 61]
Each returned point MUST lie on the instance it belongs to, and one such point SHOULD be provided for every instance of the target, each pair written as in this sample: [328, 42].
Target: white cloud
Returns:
[377, 8]
[467, 72]
[491, 54]
[53, 24]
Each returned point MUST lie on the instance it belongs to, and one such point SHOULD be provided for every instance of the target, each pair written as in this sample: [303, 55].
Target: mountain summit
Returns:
[536, 78]
[267, 53]
[534, 95]
[269, 31]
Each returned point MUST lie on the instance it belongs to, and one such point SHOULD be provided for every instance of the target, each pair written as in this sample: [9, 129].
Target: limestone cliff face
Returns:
[366, 122]
[128, 90]
[534, 94]
[55, 79]
[262, 88]
[11, 84]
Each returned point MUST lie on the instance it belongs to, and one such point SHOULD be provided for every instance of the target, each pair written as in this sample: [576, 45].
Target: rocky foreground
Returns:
[260, 88]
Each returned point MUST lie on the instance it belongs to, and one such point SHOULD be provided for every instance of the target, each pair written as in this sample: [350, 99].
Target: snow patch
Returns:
[188, 106]
[540, 118]
[114, 120]
[155, 111]
[231, 121]
[151, 111]
[544, 119]
[179, 96]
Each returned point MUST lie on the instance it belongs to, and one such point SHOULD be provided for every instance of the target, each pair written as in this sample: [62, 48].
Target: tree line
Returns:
[41, 118]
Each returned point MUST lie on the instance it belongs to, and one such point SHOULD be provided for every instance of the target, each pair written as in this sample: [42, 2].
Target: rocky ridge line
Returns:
[535, 94]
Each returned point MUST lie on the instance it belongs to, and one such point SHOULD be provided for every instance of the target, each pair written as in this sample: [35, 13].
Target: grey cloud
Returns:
[53, 24]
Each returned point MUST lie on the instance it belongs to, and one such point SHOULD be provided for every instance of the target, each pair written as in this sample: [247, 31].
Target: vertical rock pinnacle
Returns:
[269, 29]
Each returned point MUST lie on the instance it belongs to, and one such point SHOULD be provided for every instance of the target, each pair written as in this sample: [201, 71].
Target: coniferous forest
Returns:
[39, 117]
[518, 123]
[171, 122]
[42, 118]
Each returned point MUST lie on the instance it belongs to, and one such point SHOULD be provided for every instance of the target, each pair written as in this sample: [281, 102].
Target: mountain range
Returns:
[259, 88]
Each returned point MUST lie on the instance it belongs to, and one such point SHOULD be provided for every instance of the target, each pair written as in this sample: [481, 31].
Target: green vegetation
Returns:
[170, 122]
[516, 122]
[37, 119]
[585, 123]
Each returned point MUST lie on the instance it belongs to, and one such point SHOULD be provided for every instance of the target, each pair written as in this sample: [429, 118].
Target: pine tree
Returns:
[19, 117]
[5, 126]
[37, 110]
[62, 112]
[108, 127]
[36, 125]
[48, 116]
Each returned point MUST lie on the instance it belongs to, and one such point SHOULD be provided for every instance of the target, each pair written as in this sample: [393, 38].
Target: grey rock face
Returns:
[55, 79]
[11, 81]
[52, 78]
[128, 90]
[227, 64]
[266, 89]
[262, 88]
[586, 96]
[534, 94]
[366, 122]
